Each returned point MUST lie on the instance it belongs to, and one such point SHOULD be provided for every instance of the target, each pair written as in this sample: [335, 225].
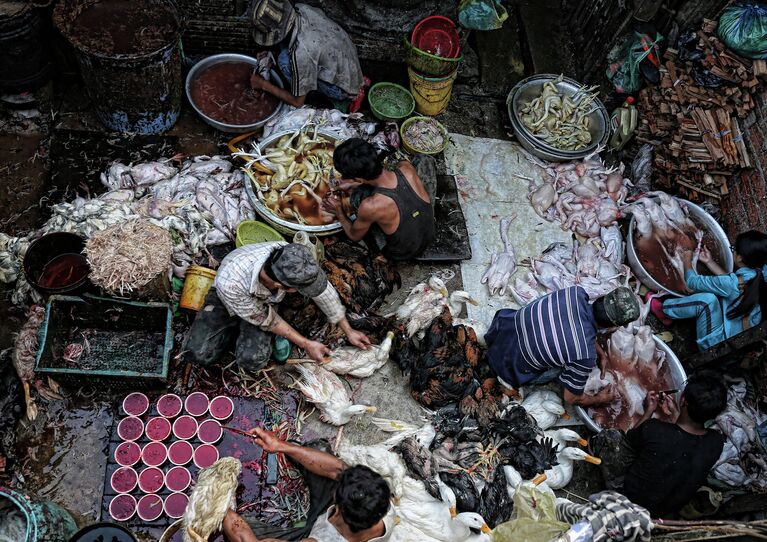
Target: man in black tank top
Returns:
[392, 211]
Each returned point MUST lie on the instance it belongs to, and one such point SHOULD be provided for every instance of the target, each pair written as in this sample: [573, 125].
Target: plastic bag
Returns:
[623, 70]
[534, 519]
[687, 45]
[481, 14]
[743, 28]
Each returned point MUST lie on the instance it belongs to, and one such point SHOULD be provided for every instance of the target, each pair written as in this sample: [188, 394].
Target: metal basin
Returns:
[702, 217]
[280, 224]
[678, 378]
[230, 57]
[529, 89]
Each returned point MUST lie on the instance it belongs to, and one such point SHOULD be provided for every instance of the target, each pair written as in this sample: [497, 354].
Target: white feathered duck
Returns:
[422, 305]
[352, 361]
[328, 393]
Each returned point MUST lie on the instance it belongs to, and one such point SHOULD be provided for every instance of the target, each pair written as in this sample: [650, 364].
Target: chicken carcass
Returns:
[525, 290]
[613, 243]
[673, 210]
[502, 264]
[542, 198]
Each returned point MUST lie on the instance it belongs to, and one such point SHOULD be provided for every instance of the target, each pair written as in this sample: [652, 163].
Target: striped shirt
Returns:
[556, 331]
[240, 290]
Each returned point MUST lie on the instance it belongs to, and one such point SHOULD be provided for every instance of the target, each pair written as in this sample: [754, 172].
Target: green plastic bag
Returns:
[534, 518]
[623, 68]
[743, 28]
[481, 14]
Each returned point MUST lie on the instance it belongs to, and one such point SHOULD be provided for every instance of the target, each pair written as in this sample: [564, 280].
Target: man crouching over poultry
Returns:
[347, 504]
[250, 281]
[555, 336]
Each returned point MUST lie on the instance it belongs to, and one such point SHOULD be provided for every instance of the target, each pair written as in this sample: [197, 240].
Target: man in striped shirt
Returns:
[250, 282]
[556, 337]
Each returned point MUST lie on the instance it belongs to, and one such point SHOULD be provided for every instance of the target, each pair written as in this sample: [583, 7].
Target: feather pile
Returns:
[212, 497]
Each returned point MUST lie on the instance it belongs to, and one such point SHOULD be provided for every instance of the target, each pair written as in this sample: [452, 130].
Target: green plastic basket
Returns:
[252, 231]
[427, 63]
[390, 101]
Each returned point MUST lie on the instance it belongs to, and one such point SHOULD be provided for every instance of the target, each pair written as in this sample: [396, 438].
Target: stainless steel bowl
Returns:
[530, 88]
[218, 59]
[280, 224]
[678, 378]
[708, 222]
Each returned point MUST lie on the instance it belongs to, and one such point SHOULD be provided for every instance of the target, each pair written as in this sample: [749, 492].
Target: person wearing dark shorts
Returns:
[393, 211]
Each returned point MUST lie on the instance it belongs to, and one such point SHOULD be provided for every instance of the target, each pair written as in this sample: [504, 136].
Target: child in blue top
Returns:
[723, 304]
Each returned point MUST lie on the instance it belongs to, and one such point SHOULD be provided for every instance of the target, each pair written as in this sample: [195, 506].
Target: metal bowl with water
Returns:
[702, 218]
[527, 90]
[219, 59]
[678, 380]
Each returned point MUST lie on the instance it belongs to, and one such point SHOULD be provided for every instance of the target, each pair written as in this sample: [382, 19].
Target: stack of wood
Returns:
[701, 142]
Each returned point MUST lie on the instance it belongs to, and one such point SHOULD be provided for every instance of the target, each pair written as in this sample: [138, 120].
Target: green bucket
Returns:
[429, 64]
[42, 521]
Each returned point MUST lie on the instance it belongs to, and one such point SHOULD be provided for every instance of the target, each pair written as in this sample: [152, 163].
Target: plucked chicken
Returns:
[502, 264]
[326, 391]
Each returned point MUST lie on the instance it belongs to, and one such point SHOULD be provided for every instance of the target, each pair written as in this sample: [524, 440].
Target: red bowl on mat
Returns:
[122, 507]
[127, 454]
[135, 404]
[185, 427]
[154, 454]
[124, 480]
[169, 405]
[157, 429]
[149, 507]
[210, 432]
[205, 455]
[175, 505]
[180, 452]
[151, 480]
[130, 428]
[178, 479]
[221, 407]
[196, 404]
[437, 35]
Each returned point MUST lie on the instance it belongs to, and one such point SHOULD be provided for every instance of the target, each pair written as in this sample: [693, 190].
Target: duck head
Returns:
[436, 284]
[356, 410]
[576, 454]
[458, 299]
[473, 521]
[568, 435]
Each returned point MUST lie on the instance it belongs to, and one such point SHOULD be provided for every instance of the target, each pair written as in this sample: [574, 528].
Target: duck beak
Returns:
[473, 301]
[593, 460]
[538, 480]
[453, 512]
[485, 529]
[397, 520]
[565, 416]
[370, 409]
[443, 291]
[583, 442]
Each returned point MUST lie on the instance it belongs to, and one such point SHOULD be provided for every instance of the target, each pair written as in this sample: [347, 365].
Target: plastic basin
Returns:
[437, 35]
[390, 102]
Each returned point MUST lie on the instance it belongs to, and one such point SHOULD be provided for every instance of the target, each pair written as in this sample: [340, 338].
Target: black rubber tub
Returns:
[54, 264]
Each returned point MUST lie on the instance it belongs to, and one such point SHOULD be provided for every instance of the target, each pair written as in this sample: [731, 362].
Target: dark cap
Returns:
[621, 306]
[272, 20]
[295, 267]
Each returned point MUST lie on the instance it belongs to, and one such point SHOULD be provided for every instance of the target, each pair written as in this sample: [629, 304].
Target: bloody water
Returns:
[123, 27]
[205, 455]
[122, 507]
[175, 504]
[149, 507]
[151, 480]
[135, 404]
[154, 454]
[64, 270]
[209, 431]
[127, 453]
[124, 480]
[185, 427]
[130, 428]
[196, 404]
[177, 479]
[221, 407]
[223, 93]
[169, 405]
[157, 429]
[180, 452]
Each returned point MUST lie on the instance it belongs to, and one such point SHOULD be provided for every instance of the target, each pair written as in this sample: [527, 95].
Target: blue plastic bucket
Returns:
[45, 521]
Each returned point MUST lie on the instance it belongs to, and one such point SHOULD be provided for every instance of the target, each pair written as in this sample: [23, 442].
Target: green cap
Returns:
[621, 306]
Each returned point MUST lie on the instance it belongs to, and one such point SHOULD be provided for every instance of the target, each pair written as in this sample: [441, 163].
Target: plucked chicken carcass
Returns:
[213, 495]
[328, 394]
[502, 264]
[349, 360]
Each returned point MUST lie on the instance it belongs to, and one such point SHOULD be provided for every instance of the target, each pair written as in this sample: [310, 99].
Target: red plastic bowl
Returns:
[151, 480]
[178, 479]
[157, 429]
[124, 480]
[154, 454]
[135, 404]
[196, 404]
[169, 405]
[185, 427]
[221, 407]
[175, 505]
[130, 428]
[205, 455]
[210, 432]
[127, 454]
[438, 36]
[122, 507]
[149, 507]
[180, 452]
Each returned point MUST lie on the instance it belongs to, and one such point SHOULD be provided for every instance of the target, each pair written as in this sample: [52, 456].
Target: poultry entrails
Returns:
[424, 303]
[420, 464]
[495, 504]
[210, 499]
[352, 361]
[328, 393]
[560, 475]
[502, 264]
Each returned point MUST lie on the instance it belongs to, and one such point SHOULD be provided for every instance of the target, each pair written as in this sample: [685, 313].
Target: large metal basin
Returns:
[230, 57]
[529, 89]
[678, 377]
[708, 222]
[280, 224]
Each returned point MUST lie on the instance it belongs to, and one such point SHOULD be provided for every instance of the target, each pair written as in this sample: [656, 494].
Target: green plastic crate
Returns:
[126, 344]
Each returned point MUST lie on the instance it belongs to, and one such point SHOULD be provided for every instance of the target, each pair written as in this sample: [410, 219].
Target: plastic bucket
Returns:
[197, 282]
[432, 94]
[44, 251]
[24, 42]
[138, 92]
[43, 521]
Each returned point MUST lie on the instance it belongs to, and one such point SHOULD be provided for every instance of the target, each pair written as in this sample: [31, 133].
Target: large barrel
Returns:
[24, 62]
[130, 59]
[33, 521]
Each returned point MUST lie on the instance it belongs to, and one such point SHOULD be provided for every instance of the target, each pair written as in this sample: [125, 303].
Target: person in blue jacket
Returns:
[723, 304]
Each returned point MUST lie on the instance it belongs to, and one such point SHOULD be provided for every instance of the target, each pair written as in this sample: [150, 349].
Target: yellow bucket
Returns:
[197, 282]
[432, 94]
